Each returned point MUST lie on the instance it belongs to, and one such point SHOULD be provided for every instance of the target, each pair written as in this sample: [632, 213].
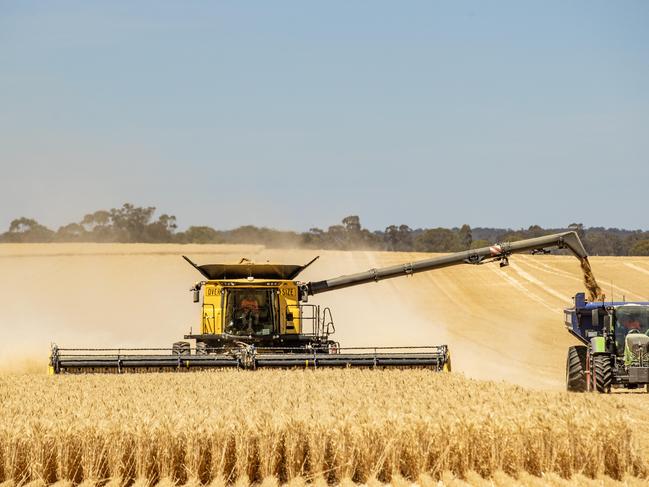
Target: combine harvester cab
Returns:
[615, 345]
[258, 316]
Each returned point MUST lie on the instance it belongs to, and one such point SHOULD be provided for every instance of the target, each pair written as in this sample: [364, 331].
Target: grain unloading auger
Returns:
[258, 316]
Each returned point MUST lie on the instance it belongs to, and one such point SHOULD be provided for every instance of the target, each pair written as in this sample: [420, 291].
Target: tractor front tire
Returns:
[602, 373]
[576, 369]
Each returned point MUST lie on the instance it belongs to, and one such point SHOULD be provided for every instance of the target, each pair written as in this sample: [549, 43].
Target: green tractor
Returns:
[615, 350]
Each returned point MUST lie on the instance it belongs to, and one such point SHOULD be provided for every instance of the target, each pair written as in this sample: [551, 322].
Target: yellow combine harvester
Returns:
[258, 316]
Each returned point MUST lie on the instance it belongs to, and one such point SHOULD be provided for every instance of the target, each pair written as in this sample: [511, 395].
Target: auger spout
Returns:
[498, 252]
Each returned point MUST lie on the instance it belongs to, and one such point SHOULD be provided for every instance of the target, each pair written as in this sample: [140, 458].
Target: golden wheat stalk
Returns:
[296, 426]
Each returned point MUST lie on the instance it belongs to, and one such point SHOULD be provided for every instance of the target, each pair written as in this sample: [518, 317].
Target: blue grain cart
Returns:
[614, 350]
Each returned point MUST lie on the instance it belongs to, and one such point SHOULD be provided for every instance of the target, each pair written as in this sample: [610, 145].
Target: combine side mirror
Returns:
[196, 295]
[595, 318]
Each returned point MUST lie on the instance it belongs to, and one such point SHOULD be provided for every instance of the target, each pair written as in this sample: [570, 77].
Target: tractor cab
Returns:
[629, 320]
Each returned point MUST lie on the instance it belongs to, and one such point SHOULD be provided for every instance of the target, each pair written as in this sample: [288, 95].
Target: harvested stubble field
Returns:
[324, 426]
[315, 426]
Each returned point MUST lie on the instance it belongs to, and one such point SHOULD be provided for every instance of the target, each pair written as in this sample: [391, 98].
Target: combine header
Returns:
[258, 316]
[244, 357]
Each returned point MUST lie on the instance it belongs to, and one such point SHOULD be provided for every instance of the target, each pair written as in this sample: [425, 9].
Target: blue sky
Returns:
[294, 114]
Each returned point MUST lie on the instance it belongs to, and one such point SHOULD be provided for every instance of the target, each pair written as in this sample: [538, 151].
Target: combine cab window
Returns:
[629, 318]
[250, 312]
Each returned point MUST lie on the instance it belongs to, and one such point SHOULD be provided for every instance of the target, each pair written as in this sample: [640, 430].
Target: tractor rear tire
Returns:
[576, 369]
[181, 348]
[602, 373]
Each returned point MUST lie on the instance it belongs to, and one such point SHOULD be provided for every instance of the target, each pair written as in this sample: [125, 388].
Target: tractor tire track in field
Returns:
[543, 267]
[637, 268]
[542, 285]
[516, 284]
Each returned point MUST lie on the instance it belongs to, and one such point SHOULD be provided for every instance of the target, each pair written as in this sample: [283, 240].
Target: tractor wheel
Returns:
[602, 373]
[181, 348]
[201, 348]
[576, 369]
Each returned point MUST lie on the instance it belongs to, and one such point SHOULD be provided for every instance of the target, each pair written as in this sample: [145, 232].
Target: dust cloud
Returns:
[96, 295]
[442, 307]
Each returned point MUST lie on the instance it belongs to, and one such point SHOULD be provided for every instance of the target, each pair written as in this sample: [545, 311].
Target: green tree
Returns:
[314, 238]
[201, 235]
[478, 244]
[130, 222]
[632, 239]
[161, 230]
[99, 218]
[27, 230]
[352, 224]
[99, 227]
[438, 240]
[465, 236]
[531, 232]
[599, 242]
[336, 237]
[640, 248]
[398, 238]
[72, 232]
[354, 236]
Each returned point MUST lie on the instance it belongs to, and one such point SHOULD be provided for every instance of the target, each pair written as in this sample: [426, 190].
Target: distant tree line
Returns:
[133, 224]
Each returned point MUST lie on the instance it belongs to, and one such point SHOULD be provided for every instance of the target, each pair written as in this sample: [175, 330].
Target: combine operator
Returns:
[249, 307]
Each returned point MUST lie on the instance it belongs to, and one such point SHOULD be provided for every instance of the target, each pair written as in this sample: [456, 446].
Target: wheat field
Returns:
[325, 426]
[320, 427]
